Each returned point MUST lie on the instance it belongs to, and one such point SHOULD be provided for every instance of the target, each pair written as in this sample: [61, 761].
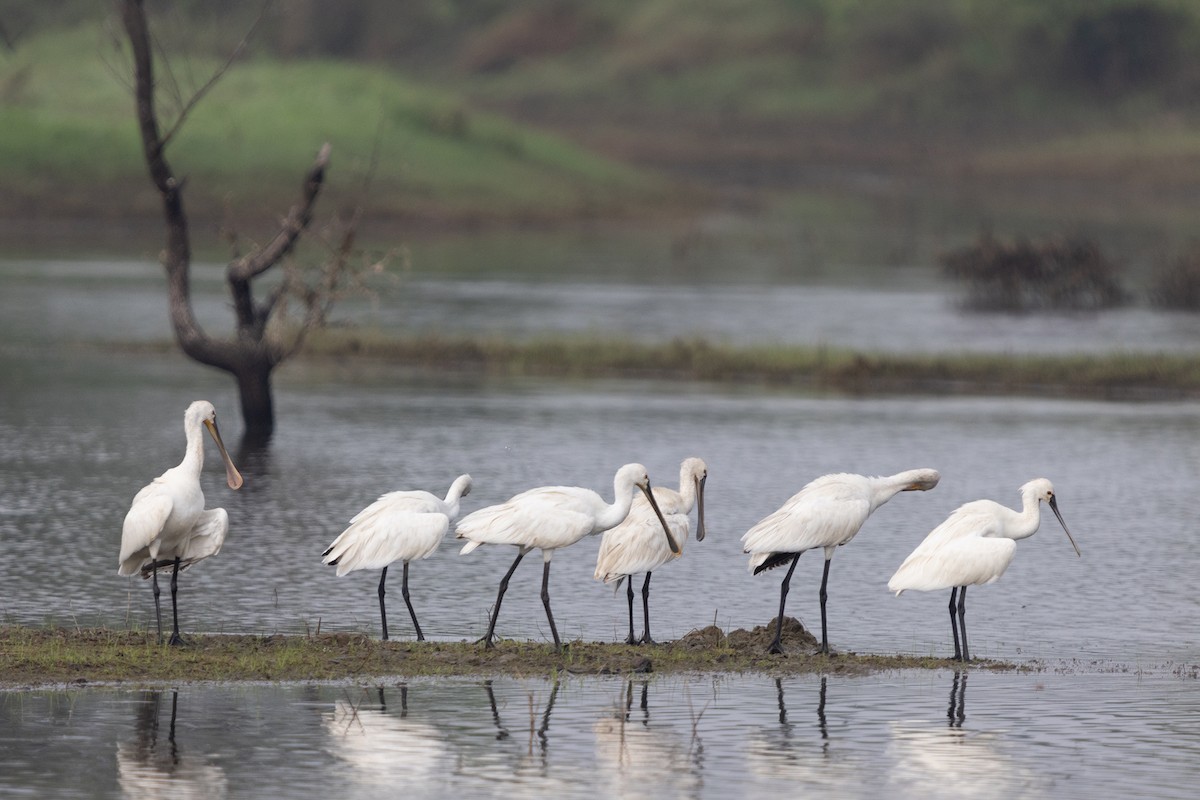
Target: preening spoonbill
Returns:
[167, 526]
[551, 517]
[636, 546]
[974, 546]
[399, 526]
[826, 513]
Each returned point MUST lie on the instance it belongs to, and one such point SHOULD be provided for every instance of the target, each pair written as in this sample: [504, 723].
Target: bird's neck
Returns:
[614, 514]
[193, 457]
[687, 493]
[888, 486]
[1025, 523]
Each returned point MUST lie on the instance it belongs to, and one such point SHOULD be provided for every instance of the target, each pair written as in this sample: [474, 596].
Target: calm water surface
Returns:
[83, 427]
[906, 735]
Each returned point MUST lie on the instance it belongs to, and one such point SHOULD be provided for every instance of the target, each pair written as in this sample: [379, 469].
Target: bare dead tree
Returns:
[251, 353]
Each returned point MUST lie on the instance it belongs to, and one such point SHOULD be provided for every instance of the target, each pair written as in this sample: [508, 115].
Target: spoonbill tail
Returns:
[167, 525]
[974, 546]
[399, 526]
[551, 517]
[826, 513]
[636, 546]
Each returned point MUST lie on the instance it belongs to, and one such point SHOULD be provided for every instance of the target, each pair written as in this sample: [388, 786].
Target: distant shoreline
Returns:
[1117, 376]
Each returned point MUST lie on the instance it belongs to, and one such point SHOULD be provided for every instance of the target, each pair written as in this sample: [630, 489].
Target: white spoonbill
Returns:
[551, 517]
[399, 526]
[636, 546]
[974, 546]
[167, 524]
[827, 513]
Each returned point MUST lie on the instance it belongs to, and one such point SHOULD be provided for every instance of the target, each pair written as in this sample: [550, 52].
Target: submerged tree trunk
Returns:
[248, 354]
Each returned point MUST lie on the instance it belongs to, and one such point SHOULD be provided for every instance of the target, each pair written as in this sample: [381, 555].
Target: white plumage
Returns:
[827, 513]
[636, 545]
[974, 546]
[399, 526]
[551, 517]
[167, 524]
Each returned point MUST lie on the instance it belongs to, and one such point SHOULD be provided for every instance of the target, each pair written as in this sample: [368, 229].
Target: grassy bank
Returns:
[46, 656]
[71, 144]
[1107, 376]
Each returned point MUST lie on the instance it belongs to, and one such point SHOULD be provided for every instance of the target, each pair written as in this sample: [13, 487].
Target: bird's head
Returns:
[921, 480]
[1043, 491]
[202, 412]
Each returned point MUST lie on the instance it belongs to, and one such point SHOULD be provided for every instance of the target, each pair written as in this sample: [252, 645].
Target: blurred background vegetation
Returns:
[1035, 115]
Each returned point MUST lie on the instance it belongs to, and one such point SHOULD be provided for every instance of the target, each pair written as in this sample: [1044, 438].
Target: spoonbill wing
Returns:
[143, 523]
[206, 538]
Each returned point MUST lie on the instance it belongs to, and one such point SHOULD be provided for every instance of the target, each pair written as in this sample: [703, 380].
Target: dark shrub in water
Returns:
[1176, 284]
[1051, 274]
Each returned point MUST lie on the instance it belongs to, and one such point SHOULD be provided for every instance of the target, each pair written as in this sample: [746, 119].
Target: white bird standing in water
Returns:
[399, 526]
[551, 517]
[972, 547]
[636, 546]
[826, 513]
[167, 524]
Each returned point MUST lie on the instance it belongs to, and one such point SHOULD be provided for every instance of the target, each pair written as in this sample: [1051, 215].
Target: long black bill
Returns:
[1054, 508]
[654, 504]
[700, 509]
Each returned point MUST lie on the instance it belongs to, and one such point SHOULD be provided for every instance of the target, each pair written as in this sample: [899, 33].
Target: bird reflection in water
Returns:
[958, 700]
[536, 731]
[954, 762]
[381, 745]
[640, 758]
[805, 755]
[148, 768]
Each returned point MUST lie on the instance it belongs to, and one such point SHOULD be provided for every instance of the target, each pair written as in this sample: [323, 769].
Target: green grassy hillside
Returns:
[70, 141]
[1015, 111]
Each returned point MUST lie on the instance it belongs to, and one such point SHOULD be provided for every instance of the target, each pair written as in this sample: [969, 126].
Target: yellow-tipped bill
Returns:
[232, 476]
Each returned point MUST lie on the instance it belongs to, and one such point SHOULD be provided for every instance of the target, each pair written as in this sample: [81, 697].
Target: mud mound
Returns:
[703, 639]
[794, 635]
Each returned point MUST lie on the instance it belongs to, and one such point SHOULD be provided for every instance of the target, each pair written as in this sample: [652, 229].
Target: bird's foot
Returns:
[176, 640]
[631, 639]
[775, 648]
[646, 639]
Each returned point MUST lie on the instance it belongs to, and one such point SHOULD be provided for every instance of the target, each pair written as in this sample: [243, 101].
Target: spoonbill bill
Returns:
[972, 547]
[635, 545]
[167, 525]
[399, 526]
[827, 513]
[551, 517]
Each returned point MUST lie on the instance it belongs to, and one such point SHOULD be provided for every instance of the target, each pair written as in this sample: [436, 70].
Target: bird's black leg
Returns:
[175, 637]
[954, 623]
[407, 602]
[776, 645]
[962, 621]
[487, 639]
[632, 639]
[824, 596]
[546, 603]
[157, 609]
[646, 611]
[382, 607]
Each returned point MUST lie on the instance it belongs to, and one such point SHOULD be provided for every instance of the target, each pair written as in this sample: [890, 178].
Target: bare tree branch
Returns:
[261, 259]
[198, 95]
